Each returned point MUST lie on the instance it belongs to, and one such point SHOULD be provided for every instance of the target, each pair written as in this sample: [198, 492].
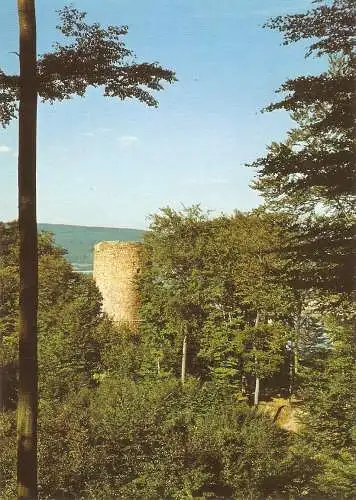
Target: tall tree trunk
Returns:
[291, 375]
[298, 329]
[27, 395]
[184, 358]
[257, 381]
[257, 392]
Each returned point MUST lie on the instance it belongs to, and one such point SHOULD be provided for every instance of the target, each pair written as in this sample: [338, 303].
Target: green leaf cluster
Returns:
[93, 57]
[310, 174]
[208, 279]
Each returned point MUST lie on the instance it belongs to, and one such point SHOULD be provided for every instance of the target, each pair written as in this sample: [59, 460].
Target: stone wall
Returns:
[116, 266]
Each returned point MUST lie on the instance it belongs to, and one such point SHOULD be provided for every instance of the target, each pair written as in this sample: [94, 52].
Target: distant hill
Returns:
[80, 240]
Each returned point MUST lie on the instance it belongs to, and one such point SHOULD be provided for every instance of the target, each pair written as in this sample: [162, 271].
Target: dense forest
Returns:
[122, 417]
[239, 381]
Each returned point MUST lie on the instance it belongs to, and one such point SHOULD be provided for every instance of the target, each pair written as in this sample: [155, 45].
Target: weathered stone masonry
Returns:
[116, 266]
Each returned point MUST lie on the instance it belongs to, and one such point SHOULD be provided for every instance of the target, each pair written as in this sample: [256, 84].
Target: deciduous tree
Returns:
[94, 57]
[311, 173]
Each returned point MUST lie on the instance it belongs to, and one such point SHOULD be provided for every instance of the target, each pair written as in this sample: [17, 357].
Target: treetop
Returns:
[93, 57]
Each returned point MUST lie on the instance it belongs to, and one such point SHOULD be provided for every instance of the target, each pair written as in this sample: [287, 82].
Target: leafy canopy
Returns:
[93, 57]
[310, 174]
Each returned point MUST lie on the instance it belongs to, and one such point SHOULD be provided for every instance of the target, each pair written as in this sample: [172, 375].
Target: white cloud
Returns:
[5, 149]
[128, 140]
[88, 134]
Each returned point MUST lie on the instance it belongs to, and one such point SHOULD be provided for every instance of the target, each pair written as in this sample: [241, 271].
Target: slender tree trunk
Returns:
[184, 358]
[257, 392]
[296, 361]
[27, 395]
[291, 374]
[257, 381]
[297, 337]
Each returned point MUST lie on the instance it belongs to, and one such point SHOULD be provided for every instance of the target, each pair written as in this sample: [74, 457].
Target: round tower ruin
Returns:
[115, 269]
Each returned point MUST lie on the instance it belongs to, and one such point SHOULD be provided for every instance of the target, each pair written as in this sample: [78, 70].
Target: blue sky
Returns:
[104, 162]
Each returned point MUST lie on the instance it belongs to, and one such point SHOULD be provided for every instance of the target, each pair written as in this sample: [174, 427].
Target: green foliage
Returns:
[328, 434]
[8, 454]
[310, 174]
[70, 322]
[9, 281]
[310, 177]
[93, 57]
[264, 349]
[110, 426]
[331, 24]
[115, 421]
[207, 279]
[153, 440]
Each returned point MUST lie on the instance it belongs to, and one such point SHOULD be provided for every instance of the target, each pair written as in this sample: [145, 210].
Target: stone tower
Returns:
[116, 266]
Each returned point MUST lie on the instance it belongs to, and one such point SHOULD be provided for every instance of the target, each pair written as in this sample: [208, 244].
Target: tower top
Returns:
[115, 270]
